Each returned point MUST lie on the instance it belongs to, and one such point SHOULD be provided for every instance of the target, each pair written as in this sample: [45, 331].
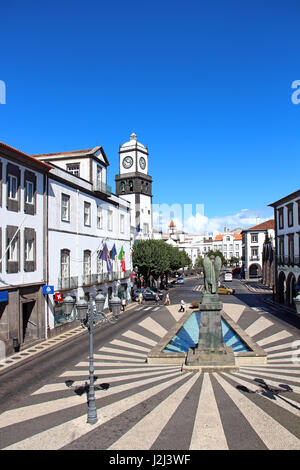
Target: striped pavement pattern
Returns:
[155, 407]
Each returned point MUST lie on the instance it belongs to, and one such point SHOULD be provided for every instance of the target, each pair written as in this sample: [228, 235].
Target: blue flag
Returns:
[103, 253]
[138, 228]
[113, 253]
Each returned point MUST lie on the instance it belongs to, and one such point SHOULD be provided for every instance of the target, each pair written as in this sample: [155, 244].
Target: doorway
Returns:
[29, 326]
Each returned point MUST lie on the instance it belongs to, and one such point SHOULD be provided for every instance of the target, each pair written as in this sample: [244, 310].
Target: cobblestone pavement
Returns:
[160, 407]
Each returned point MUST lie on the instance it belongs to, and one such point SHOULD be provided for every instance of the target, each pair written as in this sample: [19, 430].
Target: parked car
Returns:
[180, 280]
[228, 276]
[148, 294]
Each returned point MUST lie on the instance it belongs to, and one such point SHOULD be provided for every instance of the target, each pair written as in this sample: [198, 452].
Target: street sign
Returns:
[58, 297]
[48, 290]
[4, 296]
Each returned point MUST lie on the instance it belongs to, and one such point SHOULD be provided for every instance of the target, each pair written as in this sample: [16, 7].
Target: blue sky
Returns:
[206, 85]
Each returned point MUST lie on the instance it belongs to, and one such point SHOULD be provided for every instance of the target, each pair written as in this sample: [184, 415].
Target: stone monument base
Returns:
[211, 354]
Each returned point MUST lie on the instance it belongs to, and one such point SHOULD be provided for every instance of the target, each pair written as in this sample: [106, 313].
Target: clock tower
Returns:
[135, 185]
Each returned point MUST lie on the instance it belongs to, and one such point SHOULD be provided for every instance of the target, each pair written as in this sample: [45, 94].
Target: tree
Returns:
[157, 258]
[198, 262]
[218, 253]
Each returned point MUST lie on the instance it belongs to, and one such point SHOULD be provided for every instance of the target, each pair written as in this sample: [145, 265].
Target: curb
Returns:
[26, 355]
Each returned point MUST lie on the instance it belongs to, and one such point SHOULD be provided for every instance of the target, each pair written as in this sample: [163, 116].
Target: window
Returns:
[280, 218]
[65, 208]
[254, 238]
[109, 220]
[228, 239]
[290, 215]
[86, 263]
[123, 186]
[12, 253]
[12, 188]
[13, 249]
[122, 223]
[65, 264]
[99, 217]
[29, 244]
[237, 254]
[87, 214]
[29, 191]
[130, 185]
[146, 229]
[99, 175]
[291, 248]
[254, 253]
[74, 168]
[29, 249]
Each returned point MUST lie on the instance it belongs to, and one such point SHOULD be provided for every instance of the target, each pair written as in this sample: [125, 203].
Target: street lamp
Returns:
[89, 314]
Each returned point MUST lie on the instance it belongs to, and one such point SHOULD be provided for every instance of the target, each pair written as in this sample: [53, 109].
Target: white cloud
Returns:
[199, 223]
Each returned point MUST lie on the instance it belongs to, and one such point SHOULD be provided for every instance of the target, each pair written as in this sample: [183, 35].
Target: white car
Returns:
[228, 276]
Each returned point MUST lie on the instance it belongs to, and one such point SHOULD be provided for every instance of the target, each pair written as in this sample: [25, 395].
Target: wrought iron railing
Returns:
[102, 187]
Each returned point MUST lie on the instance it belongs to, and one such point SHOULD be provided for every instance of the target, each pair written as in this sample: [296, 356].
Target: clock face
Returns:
[142, 163]
[127, 162]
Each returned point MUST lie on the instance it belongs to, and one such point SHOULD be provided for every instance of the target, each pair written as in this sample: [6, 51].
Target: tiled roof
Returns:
[269, 224]
[29, 158]
[79, 152]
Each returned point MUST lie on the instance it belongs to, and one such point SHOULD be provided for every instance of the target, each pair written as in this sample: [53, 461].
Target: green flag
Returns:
[121, 254]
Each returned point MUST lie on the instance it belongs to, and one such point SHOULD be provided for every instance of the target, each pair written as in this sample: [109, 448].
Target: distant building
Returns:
[134, 184]
[253, 240]
[287, 235]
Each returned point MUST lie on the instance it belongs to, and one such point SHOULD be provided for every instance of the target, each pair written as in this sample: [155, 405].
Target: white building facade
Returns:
[253, 240]
[287, 242]
[22, 250]
[83, 218]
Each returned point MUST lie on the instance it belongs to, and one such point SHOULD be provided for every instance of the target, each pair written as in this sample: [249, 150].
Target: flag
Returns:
[138, 228]
[109, 266]
[103, 253]
[123, 262]
[113, 253]
[121, 254]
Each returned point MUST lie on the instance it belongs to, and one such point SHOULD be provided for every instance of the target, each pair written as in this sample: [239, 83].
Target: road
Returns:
[153, 407]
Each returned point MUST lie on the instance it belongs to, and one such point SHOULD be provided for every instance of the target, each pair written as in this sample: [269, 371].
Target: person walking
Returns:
[123, 302]
[156, 299]
[182, 306]
[140, 298]
[167, 300]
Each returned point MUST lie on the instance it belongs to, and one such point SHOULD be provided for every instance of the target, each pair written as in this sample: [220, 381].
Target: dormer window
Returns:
[74, 168]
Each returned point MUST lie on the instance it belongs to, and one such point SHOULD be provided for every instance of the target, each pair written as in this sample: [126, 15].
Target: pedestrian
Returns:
[156, 299]
[167, 299]
[123, 302]
[140, 298]
[182, 306]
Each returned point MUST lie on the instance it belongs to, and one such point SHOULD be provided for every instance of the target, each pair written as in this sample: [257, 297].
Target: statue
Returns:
[212, 267]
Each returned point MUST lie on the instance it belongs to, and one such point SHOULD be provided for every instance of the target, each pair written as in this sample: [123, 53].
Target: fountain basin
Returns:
[174, 346]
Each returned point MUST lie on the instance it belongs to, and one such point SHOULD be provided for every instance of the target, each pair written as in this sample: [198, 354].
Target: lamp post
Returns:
[89, 314]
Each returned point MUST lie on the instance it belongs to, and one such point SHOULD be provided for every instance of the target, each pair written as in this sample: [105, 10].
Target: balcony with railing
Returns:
[101, 187]
[254, 258]
[69, 283]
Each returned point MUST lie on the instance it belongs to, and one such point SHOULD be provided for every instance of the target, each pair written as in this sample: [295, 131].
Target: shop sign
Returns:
[48, 290]
[4, 296]
[58, 297]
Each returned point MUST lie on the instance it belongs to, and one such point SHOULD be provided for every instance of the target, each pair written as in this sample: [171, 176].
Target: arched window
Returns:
[131, 185]
[123, 186]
